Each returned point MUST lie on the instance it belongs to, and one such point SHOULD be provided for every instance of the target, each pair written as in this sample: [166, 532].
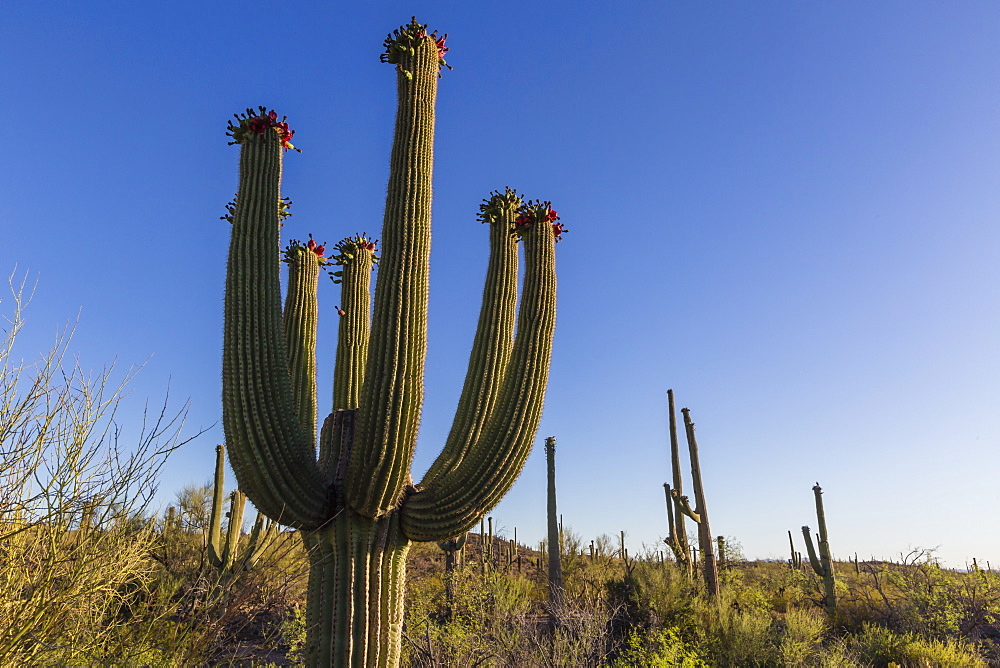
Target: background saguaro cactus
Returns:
[355, 501]
[554, 533]
[226, 552]
[699, 514]
[822, 564]
[677, 536]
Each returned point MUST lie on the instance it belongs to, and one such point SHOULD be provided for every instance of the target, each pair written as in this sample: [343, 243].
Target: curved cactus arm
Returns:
[494, 337]
[262, 537]
[490, 467]
[272, 455]
[215, 547]
[300, 318]
[810, 548]
[356, 258]
[684, 504]
[389, 412]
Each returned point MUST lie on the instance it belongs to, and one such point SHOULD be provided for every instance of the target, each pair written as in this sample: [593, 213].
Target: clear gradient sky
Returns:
[785, 211]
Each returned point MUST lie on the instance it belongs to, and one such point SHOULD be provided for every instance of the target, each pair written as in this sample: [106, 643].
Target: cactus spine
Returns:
[822, 564]
[555, 558]
[356, 502]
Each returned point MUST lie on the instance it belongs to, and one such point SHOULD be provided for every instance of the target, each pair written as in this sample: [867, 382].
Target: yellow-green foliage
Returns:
[880, 646]
[75, 564]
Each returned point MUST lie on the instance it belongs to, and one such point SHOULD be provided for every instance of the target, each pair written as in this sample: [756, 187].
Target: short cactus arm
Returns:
[215, 547]
[494, 337]
[272, 455]
[301, 318]
[490, 467]
[684, 505]
[389, 412]
[814, 561]
[237, 506]
[355, 257]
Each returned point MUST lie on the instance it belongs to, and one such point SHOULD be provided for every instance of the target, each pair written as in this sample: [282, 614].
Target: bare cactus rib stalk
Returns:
[356, 504]
[677, 540]
[699, 514]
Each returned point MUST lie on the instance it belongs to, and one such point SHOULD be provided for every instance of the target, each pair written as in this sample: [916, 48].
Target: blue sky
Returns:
[785, 211]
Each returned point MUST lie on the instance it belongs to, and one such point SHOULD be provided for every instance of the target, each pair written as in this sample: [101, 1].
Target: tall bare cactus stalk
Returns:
[677, 537]
[699, 514]
[355, 499]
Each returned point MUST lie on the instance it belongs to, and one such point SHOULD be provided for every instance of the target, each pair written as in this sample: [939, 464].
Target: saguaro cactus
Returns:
[225, 552]
[822, 564]
[554, 543]
[699, 513]
[355, 500]
[677, 537]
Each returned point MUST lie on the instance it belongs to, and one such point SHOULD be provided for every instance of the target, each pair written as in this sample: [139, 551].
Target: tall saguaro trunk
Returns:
[355, 500]
[822, 564]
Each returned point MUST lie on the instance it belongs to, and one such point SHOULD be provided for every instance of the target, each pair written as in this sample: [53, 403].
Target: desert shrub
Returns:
[801, 637]
[75, 571]
[659, 648]
[880, 646]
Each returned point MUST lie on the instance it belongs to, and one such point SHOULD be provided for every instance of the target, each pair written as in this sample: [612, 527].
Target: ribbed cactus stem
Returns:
[356, 257]
[490, 466]
[215, 544]
[389, 412]
[494, 339]
[555, 558]
[270, 451]
[229, 553]
[301, 320]
[234, 531]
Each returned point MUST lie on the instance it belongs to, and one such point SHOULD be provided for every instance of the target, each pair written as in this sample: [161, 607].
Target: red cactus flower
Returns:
[258, 124]
[319, 250]
[553, 215]
[341, 312]
[311, 245]
[273, 115]
[557, 230]
[442, 49]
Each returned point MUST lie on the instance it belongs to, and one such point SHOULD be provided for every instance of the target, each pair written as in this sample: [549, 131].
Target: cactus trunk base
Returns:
[354, 614]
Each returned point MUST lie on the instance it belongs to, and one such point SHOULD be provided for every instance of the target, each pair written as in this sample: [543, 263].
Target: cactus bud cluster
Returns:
[405, 40]
[537, 212]
[248, 124]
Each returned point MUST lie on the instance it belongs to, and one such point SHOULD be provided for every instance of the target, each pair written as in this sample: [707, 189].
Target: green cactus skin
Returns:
[555, 558]
[300, 318]
[355, 502]
[822, 565]
[228, 555]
